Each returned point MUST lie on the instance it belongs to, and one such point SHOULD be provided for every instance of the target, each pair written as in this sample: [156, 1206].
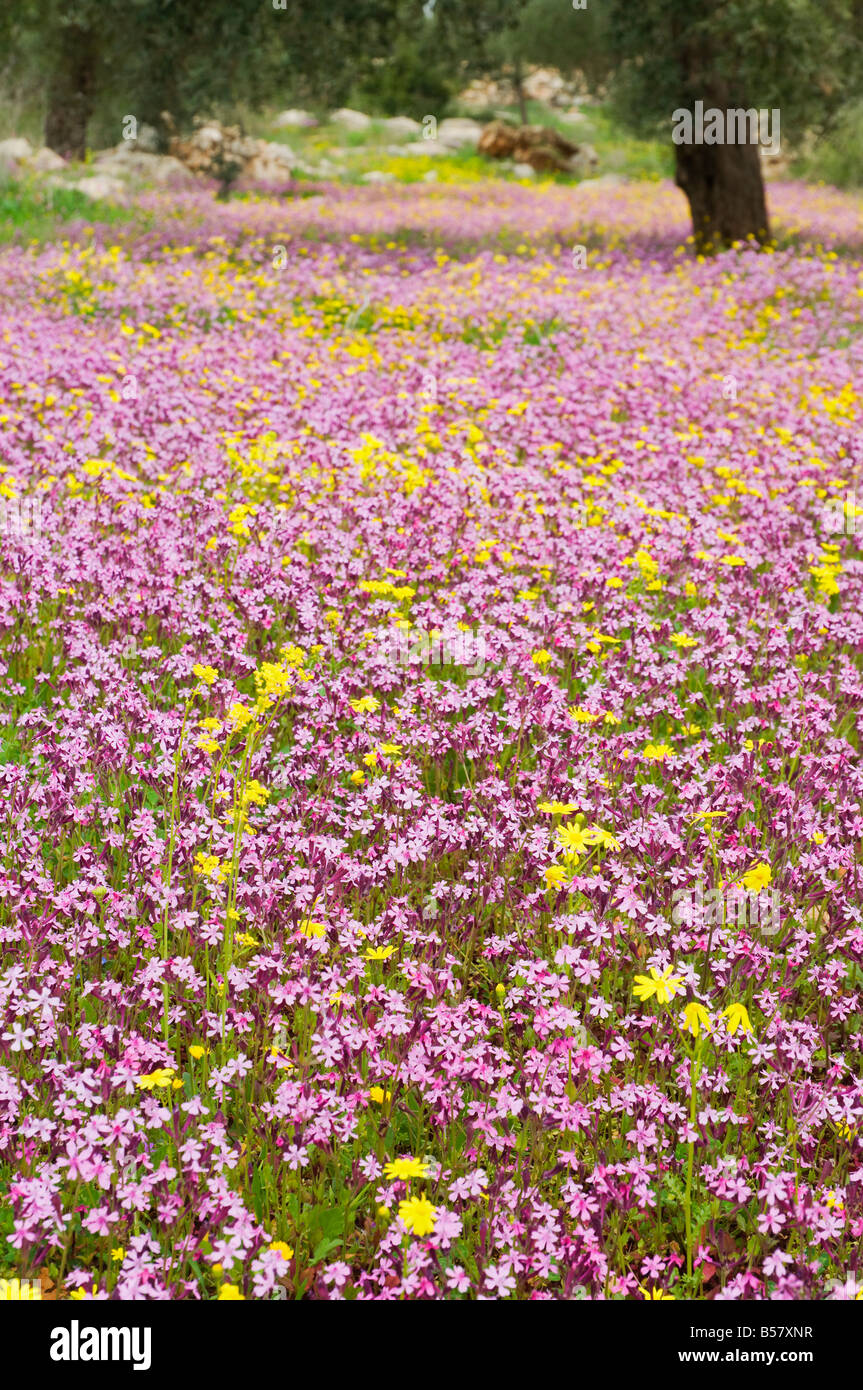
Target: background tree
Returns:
[144, 57]
[479, 39]
[548, 33]
[414, 76]
[799, 57]
[802, 57]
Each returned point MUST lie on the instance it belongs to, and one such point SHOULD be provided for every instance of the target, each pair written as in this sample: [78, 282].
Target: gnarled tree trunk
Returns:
[71, 93]
[725, 190]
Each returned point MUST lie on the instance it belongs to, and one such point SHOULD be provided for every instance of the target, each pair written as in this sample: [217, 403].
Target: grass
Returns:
[32, 212]
[838, 158]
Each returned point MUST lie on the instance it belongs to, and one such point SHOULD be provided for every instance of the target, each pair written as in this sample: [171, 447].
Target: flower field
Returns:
[431, 786]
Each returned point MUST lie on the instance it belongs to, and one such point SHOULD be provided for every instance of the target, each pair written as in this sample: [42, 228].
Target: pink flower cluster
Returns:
[319, 969]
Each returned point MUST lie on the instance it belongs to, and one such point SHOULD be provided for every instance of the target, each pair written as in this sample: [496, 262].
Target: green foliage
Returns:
[795, 55]
[838, 157]
[32, 212]
[551, 33]
[414, 78]
[150, 56]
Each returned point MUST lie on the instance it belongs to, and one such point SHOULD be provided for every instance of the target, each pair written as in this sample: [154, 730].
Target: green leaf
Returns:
[323, 1249]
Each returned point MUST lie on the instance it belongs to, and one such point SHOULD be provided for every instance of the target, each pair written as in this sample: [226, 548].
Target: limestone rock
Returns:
[401, 127]
[147, 139]
[216, 151]
[351, 120]
[125, 161]
[45, 161]
[15, 148]
[425, 147]
[12, 154]
[294, 119]
[101, 187]
[272, 163]
[459, 130]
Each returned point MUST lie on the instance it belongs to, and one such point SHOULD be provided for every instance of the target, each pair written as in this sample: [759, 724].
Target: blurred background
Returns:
[382, 90]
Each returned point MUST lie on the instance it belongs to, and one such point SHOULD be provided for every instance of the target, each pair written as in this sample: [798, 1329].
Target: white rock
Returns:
[147, 139]
[523, 171]
[123, 162]
[164, 168]
[402, 126]
[46, 161]
[605, 181]
[116, 163]
[428, 147]
[121, 151]
[100, 186]
[272, 164]
[459, 130]
[14, 149]
[206, 136]
[431, 176]
[351, 120]
[294, 119]
[377, 176]
[274, 153]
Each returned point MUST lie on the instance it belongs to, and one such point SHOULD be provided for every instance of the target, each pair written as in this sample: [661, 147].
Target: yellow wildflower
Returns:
[695, 1017]
[162, 1076]
[419, 1215]
[367, 704]
[404, 1168]
[379, 952]
[239, 716]
[664, 985]
[555, 876]
[738, 1018]
[757, 878]
[571, 838]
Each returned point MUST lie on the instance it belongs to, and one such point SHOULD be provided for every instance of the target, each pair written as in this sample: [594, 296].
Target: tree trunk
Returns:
[70, 93]
[518, 84]
[725, 190]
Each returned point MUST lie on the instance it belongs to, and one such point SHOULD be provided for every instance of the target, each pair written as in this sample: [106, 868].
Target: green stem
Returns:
[694, 1073]
[173, 822]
